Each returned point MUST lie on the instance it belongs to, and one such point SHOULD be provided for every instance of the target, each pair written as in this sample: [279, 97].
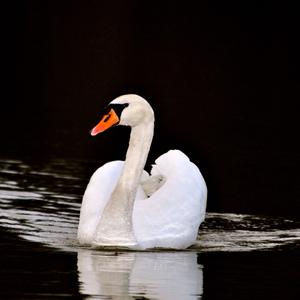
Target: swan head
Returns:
[128, 110]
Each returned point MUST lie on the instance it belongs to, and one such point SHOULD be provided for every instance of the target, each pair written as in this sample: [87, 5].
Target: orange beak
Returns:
[106, 122]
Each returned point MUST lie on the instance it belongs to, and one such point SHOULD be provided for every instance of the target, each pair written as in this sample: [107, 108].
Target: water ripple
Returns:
[41, 203]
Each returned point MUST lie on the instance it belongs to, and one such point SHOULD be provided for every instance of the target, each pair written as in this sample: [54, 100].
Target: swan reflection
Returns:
[132, 275]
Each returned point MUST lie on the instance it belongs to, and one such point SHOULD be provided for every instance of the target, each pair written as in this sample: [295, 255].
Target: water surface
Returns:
[40, 203]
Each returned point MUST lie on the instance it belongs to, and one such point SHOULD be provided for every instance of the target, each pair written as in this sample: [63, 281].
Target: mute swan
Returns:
[123, 206]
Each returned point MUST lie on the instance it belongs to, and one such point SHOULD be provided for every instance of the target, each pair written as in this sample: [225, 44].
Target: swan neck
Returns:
[136, 156]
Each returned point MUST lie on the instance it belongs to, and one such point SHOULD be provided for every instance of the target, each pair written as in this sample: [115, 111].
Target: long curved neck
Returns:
[136, 156]
[115, 226]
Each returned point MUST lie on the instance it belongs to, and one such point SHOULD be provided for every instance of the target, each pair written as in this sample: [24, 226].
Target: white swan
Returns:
[125, 207]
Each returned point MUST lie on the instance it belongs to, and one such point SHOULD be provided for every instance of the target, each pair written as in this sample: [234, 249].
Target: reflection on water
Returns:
[153, 275]
[40, 202]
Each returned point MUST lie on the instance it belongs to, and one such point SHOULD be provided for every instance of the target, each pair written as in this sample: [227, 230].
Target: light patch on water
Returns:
[18, 195]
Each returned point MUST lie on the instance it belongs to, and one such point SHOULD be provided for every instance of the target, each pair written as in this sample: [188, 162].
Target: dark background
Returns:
[218, 77]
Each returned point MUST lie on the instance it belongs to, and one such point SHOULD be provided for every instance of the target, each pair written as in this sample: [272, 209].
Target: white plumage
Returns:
[116, 211]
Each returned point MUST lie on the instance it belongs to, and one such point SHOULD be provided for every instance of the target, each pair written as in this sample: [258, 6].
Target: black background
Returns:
[218, 77]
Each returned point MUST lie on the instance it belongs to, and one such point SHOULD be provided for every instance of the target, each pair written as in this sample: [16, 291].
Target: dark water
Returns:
[235, 256]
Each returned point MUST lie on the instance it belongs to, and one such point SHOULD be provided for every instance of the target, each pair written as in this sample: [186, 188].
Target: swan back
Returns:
[170, 218]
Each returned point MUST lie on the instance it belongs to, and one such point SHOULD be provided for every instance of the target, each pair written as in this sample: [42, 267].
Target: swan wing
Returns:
[171, 216]
[95, 198]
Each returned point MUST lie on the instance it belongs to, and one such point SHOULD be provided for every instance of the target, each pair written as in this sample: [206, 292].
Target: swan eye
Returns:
[118, 108]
